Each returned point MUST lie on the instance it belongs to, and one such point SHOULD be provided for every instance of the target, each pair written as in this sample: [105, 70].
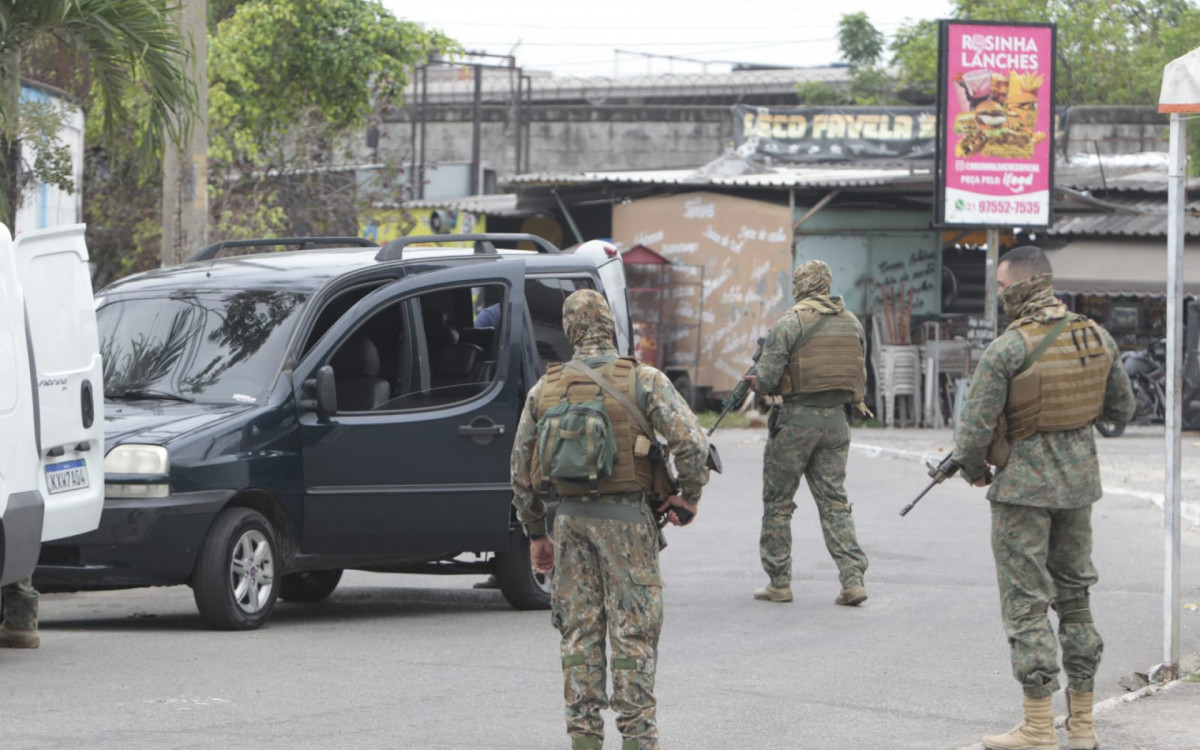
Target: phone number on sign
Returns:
[1009, 207]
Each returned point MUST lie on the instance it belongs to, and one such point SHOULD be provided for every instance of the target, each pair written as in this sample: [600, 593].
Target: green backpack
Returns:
[576, 447]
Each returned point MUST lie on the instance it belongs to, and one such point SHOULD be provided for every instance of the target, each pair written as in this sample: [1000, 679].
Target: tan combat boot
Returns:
[774, 593]
[1035, 733]
[852, 596]
[1081, 732]
[18, 638]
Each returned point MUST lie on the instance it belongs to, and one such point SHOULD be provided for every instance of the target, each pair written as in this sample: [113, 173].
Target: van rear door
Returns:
[20, 502]
[53, 268]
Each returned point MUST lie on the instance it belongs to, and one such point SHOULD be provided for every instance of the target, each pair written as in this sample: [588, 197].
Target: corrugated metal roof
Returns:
[1137, 217]
[818, 176]
[498, 204]
[1146, 171]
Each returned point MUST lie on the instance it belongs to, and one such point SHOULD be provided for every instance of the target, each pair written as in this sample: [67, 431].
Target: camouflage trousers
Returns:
[607, 582]
[813, 442]
[1044, 560]
[19, 601]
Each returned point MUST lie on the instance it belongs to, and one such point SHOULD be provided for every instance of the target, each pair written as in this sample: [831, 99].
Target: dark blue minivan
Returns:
[277, 417]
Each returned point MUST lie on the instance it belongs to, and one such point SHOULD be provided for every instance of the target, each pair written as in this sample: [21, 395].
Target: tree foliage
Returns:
[127, 44]
[1109, 51]
[292, 86]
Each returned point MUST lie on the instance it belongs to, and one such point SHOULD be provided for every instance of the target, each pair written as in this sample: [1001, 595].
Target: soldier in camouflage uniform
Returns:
[1044, 399]
[814, 358]
[20, 606]
[607, 574]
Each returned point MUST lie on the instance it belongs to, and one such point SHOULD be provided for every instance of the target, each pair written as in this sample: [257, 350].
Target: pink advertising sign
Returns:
[995, 140]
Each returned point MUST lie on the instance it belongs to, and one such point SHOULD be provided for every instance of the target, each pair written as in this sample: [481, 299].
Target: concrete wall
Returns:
[573, 138]
[566, 138]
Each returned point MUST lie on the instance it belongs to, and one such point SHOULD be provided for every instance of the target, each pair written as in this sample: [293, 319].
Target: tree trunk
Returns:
[10, 143]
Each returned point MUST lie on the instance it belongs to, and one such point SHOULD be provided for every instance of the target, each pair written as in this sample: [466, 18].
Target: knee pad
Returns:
[1074, 611]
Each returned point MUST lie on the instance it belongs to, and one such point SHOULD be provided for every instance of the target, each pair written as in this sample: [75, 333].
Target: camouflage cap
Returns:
[587, 318]
[810, 279]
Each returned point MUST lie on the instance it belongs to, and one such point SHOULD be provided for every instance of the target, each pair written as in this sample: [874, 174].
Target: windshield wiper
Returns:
[135, 393]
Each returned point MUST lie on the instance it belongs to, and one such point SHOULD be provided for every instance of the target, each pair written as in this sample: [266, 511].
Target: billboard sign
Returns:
[825, 134]
[995, 143]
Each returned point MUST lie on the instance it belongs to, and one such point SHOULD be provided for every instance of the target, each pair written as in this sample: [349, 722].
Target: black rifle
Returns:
[736, 396]
[940, 473]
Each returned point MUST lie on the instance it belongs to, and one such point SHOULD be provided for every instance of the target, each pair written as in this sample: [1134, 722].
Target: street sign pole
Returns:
[1176, 196]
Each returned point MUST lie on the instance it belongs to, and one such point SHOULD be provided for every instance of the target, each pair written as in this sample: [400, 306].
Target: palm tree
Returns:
[126, 43]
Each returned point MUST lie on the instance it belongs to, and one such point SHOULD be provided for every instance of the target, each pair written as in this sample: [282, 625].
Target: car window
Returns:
[544, 298]
[433, 350]
[213, 347]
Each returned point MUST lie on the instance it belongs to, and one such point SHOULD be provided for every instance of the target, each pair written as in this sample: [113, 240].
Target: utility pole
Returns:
[185, 166]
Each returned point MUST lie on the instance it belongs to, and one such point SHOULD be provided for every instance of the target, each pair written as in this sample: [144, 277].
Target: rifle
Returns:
[736, 396]
[940, 473]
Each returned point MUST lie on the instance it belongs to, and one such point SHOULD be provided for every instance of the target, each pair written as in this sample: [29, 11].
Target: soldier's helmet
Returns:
[810, 279]
[587, 318]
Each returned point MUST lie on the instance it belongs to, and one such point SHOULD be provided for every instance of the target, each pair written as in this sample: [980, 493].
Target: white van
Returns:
[51, 395]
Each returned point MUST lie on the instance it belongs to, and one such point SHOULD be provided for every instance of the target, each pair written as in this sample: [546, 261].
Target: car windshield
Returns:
[192, 346]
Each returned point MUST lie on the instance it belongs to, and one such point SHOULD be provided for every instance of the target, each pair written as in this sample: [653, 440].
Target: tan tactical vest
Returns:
[1064, 389]
[630, 473]
[832, 357]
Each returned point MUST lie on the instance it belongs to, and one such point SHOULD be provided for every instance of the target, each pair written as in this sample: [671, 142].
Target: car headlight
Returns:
[133, 471]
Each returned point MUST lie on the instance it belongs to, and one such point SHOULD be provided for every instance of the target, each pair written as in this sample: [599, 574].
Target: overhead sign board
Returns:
[995, 141]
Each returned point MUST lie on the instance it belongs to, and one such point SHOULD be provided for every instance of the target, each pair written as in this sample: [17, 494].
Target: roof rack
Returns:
[485, 244]
[211, 251]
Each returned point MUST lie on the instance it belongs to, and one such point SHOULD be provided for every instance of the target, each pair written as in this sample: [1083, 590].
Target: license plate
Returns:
[67, 476]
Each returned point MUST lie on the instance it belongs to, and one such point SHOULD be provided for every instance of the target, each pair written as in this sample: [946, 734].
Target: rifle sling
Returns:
[1044, 344]
[607, 386]
[816, 326]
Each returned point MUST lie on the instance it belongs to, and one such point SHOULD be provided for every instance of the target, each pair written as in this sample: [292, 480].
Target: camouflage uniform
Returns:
[607, 575]
[1041, 507]
[812, 440]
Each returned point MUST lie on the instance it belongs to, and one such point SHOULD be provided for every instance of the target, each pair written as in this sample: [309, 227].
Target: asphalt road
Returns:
[393, 661]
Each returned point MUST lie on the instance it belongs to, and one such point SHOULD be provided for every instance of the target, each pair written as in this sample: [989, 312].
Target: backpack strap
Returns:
[1046, 342]
[612, 390]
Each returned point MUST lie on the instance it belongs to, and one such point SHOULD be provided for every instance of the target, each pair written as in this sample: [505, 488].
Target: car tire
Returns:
[521, 586]
[1110, 429]
[234, 583]
[310, 586]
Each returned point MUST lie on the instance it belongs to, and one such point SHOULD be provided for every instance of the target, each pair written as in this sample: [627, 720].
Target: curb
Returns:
[1189, 511]
[1104, 705]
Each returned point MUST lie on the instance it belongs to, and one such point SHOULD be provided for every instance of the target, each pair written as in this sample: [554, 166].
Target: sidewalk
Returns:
[1133, 464]
[1158, 717]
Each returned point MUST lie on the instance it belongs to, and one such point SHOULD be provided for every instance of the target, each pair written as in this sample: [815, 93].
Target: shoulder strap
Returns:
[1049, 339]
[612, 390]
[812, 330]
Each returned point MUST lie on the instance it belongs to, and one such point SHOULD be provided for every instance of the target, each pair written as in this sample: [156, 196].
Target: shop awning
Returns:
[1121, 267]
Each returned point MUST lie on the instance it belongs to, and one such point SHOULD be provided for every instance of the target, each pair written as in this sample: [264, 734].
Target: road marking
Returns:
[1188, 510]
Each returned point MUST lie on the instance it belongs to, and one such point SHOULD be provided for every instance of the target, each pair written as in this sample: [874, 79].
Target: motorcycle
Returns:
[1147, 374]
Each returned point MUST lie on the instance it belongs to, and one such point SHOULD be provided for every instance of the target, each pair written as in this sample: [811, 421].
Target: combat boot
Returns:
[1081, 732]
[1035, 733]
[18, 638]
[774, 593]
[852, 596]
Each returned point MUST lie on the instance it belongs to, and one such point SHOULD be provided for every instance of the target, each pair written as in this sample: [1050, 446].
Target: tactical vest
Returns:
[1064, 389]
[630, 473]
[831, 359]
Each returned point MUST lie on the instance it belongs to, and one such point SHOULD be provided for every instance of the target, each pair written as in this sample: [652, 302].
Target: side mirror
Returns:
[324, 387]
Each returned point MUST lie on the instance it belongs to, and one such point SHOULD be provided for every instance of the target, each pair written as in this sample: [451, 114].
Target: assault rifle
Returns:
[940, 473]
[736, 396]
